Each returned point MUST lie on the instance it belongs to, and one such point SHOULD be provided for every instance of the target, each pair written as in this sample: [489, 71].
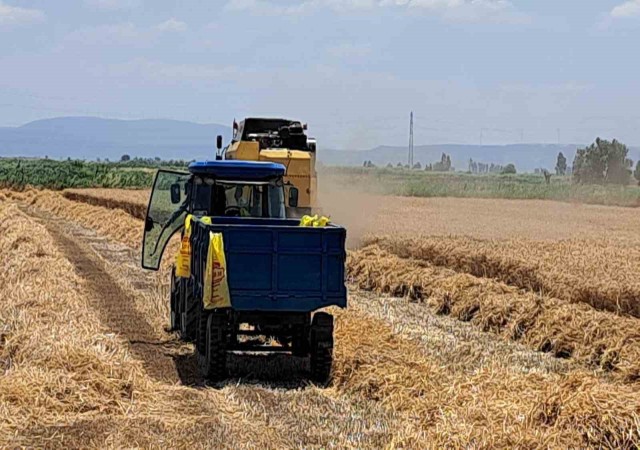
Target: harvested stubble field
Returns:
[579, 253]
[453, 362]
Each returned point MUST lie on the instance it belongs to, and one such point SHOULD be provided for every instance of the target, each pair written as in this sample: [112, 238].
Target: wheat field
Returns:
[433, 351]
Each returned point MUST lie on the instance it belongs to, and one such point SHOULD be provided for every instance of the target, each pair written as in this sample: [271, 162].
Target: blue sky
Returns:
[497, 70]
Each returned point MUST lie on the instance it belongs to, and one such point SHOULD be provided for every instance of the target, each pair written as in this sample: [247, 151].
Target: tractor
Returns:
[277, 275]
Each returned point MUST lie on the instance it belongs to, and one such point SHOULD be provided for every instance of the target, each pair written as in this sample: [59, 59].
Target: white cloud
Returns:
[144, 69]
[172, 25]
[349, 51]
[453, 10]
[627, 9]
[113, 4]
[266, 7]
[14, 16]
[497, 11]
[121, 33]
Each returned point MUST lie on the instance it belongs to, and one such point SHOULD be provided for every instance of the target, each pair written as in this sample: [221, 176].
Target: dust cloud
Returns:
[357, 211]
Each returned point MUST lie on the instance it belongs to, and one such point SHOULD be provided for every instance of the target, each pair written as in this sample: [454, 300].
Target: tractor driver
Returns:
[222, 205]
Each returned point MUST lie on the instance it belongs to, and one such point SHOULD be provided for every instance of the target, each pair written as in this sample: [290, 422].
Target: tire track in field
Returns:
[114, 304]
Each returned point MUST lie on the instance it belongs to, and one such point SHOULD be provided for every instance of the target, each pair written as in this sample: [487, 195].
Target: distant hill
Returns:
[91, 138]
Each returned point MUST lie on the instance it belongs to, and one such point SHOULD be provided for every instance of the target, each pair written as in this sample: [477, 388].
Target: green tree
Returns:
[636, 173]
[619, 167]
[125, 158]
[561, 164]
[602, 162]
[444, 165]
[509, 169]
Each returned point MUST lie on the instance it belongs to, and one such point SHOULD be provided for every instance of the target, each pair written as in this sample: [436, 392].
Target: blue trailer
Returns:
[279, 274]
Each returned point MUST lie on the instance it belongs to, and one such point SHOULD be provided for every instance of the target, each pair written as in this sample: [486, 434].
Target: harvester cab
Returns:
[282, 141]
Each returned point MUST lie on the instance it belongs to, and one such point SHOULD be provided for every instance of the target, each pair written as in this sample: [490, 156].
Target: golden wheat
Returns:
[492, 407]
[601, 273]
[68, 381]
[600, 340]
[386, 392]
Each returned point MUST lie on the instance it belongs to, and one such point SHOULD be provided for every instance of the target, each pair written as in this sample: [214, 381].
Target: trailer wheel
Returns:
[189, 313]
[213, 363]
[321, 347]
[300, 342]
[174, 298]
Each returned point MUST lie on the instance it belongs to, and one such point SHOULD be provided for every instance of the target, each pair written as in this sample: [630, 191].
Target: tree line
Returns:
[444, 165]
[603, 162]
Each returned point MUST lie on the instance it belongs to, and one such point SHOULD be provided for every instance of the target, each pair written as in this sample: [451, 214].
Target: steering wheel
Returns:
[232, 211]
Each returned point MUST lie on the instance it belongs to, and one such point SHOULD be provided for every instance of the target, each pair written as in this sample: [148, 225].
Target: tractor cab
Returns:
[212, 188]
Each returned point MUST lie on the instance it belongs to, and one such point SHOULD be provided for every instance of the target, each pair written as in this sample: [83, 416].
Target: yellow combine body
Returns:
[281, 141]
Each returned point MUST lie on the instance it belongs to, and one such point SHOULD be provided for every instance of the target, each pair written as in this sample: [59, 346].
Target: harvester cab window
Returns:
[274, 133]
[165, 214]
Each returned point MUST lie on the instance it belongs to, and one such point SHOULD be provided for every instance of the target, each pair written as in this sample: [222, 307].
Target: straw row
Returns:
[601, 341]
[601, 273]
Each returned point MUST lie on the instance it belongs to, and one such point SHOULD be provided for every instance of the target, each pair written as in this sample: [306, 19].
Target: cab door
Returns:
[166, 213]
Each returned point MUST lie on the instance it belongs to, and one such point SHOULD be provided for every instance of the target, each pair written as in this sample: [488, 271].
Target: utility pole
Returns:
[410, 159]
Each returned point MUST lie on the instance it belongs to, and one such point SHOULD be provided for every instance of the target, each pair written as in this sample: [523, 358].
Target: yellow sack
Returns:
[314, 221]
[216, 287]
[183, 258]
[307, 221]
[321, 222]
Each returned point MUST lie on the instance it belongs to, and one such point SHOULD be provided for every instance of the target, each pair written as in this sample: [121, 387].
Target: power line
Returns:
[411, 140]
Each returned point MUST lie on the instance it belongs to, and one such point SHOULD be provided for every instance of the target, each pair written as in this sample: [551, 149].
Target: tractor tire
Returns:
[174, 302]
[189, 313]
[213, 363]
[201, 338]
[321, 347]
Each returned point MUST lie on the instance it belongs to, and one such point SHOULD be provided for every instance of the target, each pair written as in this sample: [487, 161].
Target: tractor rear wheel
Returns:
[321, 347]
[213, 361]
[174, 302]
[189, 312]
[201, 338]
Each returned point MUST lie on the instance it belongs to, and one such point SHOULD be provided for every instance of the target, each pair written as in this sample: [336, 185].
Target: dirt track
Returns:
[91, 255]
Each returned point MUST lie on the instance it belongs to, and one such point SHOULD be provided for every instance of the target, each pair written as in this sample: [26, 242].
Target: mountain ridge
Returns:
[86, 137]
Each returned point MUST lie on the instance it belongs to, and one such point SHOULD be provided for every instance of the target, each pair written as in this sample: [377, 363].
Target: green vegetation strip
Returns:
[420, 183]
[17, 173]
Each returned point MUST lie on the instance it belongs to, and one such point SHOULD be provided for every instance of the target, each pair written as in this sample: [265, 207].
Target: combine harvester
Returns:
[282, 141]
[244, 270]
